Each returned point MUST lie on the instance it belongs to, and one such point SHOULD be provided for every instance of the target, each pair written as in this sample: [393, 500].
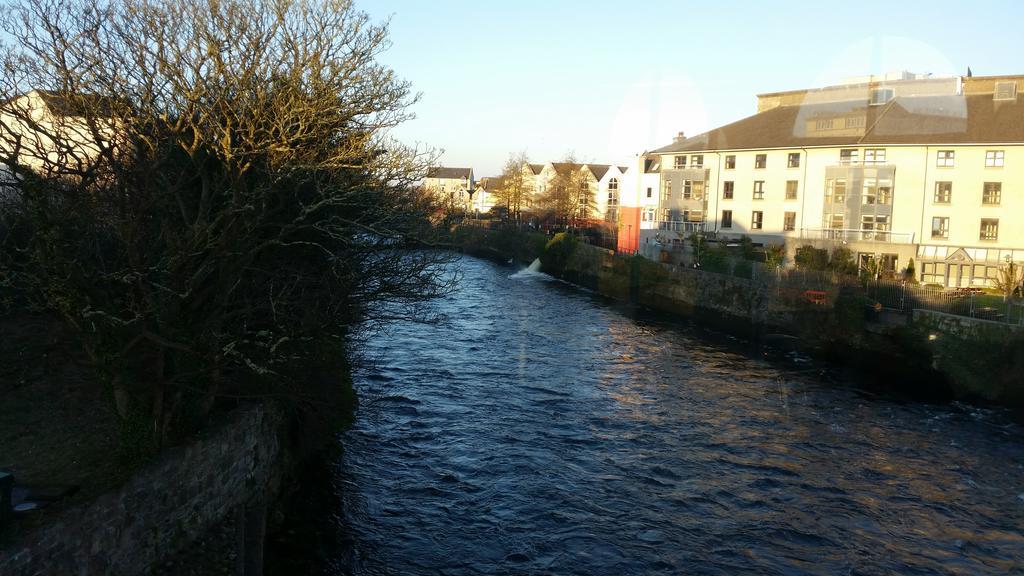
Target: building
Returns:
[54, 133]
[638, 200]
[451, 186]
[596, 187]
[896, 167]
[486, 195]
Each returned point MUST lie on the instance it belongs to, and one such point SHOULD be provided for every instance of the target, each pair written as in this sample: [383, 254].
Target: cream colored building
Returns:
[893, 168]
[451, 186]
[48, 131]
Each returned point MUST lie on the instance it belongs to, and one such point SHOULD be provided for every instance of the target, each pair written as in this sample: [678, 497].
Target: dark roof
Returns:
[442, 172]
[536, 168]
[623, 169]
[68, 104]
[489, 182]
[947, 119]
[598, 170]
[562, 167]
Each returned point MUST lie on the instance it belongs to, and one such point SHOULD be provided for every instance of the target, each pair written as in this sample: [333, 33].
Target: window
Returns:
[880, 96]
[760, 160]
[649, 191]
[848, 156]
[793, 160]
[876, 192]
[1005, 91]
[855, 122]
[679, 162]
[726, 218]
[667, 195]
[694, 216]
[989, 229]
[697, 161]
[756, 220]
[872, 224]
[698, 190]
[945, 158]
[943, 192]
[940, 227]
[835, 191]
[993, 158]
[874, 156]
[730, 162]
[835, 221]
[688, 189]
[789, 221]
[823, 124]
[992, 193]
[759, 190]
[613, 192]
[727, 189]
[791, 186]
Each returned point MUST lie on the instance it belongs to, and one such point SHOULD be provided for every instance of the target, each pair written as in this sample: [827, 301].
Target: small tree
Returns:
[774, 254]
[842, 262]
[568, 195]
[808, 257]
[1009, 281]
[910, 274]
[513, 190]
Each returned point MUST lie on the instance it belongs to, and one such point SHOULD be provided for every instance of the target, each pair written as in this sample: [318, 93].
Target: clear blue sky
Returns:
[608, 80]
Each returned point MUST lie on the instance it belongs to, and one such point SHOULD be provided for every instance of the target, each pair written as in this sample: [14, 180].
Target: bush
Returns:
[808, 257]
[557, 252]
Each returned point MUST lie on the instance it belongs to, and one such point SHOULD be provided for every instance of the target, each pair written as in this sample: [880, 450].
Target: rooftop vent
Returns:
[678, 138]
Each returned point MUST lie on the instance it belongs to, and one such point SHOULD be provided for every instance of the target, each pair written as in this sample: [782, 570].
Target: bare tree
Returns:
[569, 195]
[1010, 280]
[514, 190]
[206, 191]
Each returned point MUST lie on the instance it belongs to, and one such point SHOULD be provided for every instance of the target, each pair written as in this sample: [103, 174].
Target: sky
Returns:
[608, 80]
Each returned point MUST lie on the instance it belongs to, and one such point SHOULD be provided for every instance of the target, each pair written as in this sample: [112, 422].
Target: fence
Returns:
[970, 302]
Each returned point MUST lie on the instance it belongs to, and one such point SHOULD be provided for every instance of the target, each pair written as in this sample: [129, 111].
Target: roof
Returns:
[623, 169]
[489, 182]
[536, 168]
[561, 168]
[598, 170]
[943, 119]
[442, 172]
[68, 104]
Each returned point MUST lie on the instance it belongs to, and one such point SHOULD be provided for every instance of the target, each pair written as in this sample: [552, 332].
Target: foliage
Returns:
[1010, 280]
[514, 191]
[808, 257]
[746, 247]
[715, 260]
[774, 255]
[568, 195]
[842, 262]
[215, 205]
[558, 251]
[910, 273]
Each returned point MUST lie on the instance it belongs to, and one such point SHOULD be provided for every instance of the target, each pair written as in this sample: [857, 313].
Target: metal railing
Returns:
[853, 235]
[681, 227]
[971, 302]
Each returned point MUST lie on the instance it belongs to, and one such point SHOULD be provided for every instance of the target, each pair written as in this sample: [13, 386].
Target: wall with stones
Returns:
[163, 507]
[963, 326]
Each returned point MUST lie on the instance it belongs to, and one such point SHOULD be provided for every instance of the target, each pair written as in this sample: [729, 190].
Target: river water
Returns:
[545, 430]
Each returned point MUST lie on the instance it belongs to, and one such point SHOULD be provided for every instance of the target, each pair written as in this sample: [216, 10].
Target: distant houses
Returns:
[893, 168]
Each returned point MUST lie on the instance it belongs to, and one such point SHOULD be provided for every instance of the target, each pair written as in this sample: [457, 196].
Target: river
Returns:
[545, 430]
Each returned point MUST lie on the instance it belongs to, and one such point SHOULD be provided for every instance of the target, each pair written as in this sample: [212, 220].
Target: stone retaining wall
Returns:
[963, 326]
[228, 470]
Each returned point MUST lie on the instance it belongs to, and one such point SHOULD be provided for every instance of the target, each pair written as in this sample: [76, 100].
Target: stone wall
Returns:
[963, 326]
[228, 470]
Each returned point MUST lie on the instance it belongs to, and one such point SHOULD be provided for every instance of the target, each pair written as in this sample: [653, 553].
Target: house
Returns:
[451, 186]
[486, 195]
[893, 168]
[55, 133]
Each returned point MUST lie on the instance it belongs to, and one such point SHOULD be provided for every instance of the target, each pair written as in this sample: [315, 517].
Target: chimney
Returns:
[679, 137]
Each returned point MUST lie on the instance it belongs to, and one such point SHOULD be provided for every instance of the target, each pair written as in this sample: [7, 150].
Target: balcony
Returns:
[682, 227]
[852, 235]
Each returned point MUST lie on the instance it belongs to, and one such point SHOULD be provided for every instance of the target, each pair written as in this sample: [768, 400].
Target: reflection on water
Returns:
[544, 431]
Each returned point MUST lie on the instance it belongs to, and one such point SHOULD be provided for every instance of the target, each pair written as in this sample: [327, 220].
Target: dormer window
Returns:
[881, 96]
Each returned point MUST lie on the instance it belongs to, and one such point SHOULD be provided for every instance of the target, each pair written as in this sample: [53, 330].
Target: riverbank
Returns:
[919, 356]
